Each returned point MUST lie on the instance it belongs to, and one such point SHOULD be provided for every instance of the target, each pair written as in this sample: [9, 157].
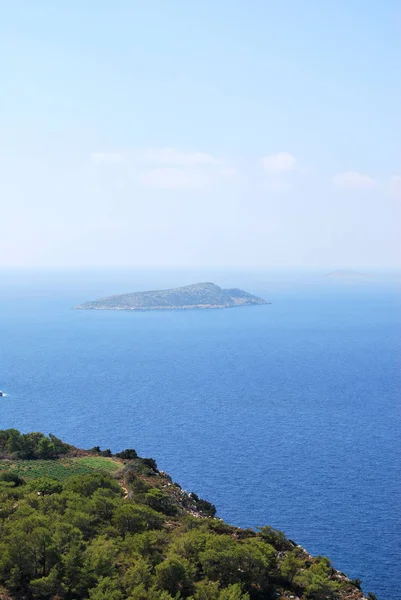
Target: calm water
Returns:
[287, 414]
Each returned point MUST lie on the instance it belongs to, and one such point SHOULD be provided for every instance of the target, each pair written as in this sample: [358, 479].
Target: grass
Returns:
[60, 469]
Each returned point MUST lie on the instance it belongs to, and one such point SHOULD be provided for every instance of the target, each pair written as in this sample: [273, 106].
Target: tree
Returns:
[206, 508]
[140, 593]
[47, 586]
[291, 565]
[230, 561]
[103, 503]
[100, 556]
[76, 577]
[128, 454]
[139, 573]
[45, 448]
[233, 592]
[190, 544]
[317, 582]
[15, 581]
[175, 575]
[130, 518]
[160, 502]
[207, 590]
[43, 550]
[106, 589]
[276, 538]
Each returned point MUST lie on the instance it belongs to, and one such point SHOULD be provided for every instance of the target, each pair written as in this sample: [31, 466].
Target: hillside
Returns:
[79, 524]
[199, 295]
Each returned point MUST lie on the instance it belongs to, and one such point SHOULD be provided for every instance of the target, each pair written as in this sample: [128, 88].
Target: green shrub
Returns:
[159, 501]
[13, 478]
[276, 538]
[86, 485]
[45, 486]
[128, 454]
[318, 583]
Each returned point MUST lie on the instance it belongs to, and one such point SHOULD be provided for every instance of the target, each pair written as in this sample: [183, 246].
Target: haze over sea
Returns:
[286, 414]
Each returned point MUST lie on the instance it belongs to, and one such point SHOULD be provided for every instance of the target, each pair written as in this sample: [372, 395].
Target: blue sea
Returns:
[286, 414]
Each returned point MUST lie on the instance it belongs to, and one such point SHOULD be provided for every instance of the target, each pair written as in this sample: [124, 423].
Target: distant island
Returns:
[346, 274]
[198, 295]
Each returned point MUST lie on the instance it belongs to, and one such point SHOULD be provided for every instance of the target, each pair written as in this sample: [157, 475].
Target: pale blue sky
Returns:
[191, 132]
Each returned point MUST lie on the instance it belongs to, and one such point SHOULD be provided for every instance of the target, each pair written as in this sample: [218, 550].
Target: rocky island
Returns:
[199, 295]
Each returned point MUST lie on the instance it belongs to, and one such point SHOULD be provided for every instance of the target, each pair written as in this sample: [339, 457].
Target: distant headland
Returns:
[198, 295]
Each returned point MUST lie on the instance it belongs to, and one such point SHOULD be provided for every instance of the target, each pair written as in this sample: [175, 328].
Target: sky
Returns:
[200, 133]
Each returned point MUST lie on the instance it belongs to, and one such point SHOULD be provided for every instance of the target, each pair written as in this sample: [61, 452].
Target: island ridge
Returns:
[199, 295]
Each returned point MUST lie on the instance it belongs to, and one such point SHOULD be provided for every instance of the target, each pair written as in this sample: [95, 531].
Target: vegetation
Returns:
[30, 445]
[119, 529]
[59, 469]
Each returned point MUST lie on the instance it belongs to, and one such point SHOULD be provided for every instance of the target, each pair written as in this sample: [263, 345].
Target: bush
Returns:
[357, 583]
[159, 501]
[206, 508]
[128, 454]
[11, 477]
[45, 486]
[318, 583]
[86, 485]
[276, 538]
[150, 462]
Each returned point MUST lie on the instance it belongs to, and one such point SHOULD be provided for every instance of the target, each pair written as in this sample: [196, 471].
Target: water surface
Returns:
[286, 414]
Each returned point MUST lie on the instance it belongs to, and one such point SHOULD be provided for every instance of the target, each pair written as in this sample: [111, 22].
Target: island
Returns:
[199, 295]
[347, 274]
[78, 524]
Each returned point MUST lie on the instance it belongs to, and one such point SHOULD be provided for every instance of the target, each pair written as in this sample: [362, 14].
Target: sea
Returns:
[286, 414]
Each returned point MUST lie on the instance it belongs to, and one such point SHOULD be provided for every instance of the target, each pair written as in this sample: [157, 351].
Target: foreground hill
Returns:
[199, 295]
[78, 524]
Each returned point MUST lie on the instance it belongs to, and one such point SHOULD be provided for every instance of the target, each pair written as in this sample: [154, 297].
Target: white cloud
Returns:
[353, 180]
[394, 186]
[169, 168]
[282, 162]
[176, 158]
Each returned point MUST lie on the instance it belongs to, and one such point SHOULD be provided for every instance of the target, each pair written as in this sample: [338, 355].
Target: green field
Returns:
[60, 469]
